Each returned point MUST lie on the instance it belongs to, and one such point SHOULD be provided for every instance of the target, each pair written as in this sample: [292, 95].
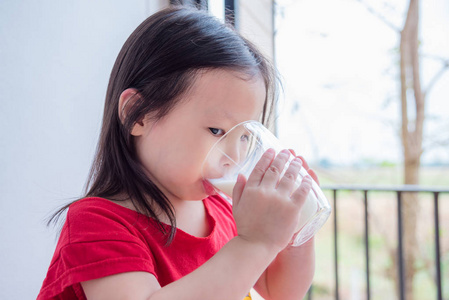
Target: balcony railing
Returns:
[398, 190]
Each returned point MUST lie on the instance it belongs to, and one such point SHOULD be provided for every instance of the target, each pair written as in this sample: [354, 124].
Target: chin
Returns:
[197, 194]
[196, 197]
[198, 191]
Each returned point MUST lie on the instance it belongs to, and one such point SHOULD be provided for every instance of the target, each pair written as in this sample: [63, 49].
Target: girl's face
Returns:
[172, 150]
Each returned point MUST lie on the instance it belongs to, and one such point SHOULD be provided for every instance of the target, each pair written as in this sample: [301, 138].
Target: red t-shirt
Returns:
[101, 238]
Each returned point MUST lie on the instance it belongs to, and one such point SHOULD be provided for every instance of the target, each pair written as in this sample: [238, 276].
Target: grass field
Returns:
[430, 176]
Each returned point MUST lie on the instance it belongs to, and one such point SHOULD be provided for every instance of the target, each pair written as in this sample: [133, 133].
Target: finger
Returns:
[300, 195]
[310, 171]
[313, 175]
[238, 189]
[292, 152]
[273, 173]
[305, 165]
[287, 182]
[261, 167]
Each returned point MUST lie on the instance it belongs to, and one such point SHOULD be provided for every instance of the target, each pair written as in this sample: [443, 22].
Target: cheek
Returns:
[176, 162]
[183, 176]
[183, 161]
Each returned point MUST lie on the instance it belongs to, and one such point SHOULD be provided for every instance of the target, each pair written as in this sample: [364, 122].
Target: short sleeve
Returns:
[95, 242]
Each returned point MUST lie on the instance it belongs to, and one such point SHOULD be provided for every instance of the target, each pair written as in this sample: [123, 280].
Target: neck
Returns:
[191, 217]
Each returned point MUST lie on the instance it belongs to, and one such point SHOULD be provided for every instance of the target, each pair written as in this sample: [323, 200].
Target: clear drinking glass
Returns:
[238, 151]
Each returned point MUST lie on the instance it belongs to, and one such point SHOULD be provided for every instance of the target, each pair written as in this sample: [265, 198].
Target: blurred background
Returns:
[363, 122]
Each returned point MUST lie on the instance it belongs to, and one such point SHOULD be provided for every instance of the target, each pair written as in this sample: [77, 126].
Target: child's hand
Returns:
[266, 207]
[305, 165]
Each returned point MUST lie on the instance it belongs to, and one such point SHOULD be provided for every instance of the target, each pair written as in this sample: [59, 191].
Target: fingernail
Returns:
[270, 151]
[285, 153]
[297, 160]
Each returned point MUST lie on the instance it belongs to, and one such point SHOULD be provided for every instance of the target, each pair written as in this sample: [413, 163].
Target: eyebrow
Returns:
[220, 115]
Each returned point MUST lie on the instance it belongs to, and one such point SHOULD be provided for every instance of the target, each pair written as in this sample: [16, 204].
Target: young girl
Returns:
[146, 228]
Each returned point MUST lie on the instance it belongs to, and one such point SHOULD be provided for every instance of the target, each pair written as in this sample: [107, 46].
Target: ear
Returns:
[127, 98]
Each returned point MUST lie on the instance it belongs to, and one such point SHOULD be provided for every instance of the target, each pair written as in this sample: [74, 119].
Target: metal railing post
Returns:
[335, 246]
[437, 247]
[309, 293]
[368, 292]
[400, 248]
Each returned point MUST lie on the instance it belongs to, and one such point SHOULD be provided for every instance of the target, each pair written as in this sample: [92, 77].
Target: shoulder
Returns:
[95, 205]
[99, 238]
[99, 208]
[94, 218]
[98, 231]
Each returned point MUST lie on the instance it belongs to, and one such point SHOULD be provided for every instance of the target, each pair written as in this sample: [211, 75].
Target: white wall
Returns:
[55, 61]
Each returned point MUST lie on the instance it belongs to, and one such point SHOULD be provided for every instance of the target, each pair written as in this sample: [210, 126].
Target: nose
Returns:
[230, 155]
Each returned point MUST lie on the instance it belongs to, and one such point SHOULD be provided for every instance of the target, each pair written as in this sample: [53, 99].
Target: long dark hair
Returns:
[160, 60]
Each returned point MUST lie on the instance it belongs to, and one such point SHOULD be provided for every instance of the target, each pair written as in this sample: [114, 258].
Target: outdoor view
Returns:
[366, 90]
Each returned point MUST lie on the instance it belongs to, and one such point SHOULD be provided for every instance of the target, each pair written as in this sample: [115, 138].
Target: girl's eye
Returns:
[244, 138]
[216, 131]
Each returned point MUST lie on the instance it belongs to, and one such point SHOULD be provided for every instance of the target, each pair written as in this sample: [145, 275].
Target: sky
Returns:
[339, 67]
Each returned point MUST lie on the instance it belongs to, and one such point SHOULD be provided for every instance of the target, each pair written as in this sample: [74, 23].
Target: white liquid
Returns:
[225, 186]
[309, 208]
